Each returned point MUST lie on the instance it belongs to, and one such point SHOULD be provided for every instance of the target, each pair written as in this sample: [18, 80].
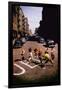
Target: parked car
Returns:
[17, 44]
[41, 40]
[31, 38]
[23, 39]
[50, 43]
[36, 38]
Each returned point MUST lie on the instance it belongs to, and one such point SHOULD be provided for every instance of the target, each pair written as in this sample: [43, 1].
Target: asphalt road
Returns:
[30, 71]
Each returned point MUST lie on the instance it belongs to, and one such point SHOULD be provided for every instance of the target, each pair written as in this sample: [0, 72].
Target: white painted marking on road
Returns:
[27, 64]
[18, 66]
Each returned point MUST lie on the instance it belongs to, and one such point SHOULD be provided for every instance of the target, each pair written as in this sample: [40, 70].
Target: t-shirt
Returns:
[30, 54]
[46, 56]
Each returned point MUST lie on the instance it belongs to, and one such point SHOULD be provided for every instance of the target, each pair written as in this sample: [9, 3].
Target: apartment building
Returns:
[20, 22]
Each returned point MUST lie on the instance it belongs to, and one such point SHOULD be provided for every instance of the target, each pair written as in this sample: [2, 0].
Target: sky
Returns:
[34, 15]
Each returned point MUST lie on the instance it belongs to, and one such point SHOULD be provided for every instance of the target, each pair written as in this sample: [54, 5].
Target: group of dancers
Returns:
[38, 57]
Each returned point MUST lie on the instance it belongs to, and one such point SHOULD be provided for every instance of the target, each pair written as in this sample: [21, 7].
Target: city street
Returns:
[34, 39]
[32, 71]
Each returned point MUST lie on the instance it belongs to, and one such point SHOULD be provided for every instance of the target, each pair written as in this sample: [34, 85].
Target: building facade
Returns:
[20, 22]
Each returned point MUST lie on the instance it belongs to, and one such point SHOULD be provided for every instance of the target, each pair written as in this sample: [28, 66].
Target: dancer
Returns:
[36, 53]
[47, 58]
[22, 55]
[52, 54]
[30, 55]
